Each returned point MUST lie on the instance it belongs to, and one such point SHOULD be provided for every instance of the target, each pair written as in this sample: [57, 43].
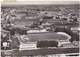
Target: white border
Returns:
[45, 0]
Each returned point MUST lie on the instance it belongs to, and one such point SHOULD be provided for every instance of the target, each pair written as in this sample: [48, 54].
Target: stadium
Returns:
[37, 30]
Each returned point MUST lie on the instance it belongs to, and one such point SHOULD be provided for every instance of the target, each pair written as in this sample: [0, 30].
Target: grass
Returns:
[46, 36]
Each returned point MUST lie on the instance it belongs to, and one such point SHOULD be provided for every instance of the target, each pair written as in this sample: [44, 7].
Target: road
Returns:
[41, 52]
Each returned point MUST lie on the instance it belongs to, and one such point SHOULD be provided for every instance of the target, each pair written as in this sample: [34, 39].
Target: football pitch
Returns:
[46, 36]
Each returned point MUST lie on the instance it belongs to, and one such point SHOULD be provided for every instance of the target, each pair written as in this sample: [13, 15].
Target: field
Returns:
[46, 36]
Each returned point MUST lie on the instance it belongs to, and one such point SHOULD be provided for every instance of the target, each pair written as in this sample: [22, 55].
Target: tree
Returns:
[52, 44]
[46, 44]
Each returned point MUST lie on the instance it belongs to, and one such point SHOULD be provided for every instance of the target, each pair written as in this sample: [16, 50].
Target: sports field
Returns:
[46, 36]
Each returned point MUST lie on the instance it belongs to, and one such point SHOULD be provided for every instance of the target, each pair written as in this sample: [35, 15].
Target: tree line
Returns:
[45, 44]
